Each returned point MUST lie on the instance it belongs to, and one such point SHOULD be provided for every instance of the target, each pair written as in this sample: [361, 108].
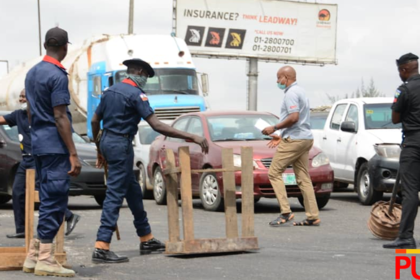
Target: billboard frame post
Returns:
[252, 84]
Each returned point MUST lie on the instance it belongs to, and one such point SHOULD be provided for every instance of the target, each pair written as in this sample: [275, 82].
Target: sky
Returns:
[370, 36]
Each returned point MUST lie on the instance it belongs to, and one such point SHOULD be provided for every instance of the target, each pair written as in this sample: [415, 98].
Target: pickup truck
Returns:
[352, 129]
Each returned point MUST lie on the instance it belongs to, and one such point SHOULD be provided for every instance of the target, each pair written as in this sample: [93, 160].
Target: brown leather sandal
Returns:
[282, 219]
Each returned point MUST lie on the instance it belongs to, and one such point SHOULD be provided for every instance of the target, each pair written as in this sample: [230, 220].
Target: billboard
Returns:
[264, 29]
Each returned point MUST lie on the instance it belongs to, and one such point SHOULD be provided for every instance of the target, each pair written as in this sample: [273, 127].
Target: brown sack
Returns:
[383, 225]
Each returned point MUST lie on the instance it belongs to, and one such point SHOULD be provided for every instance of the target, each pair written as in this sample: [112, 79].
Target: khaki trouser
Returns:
[294, 152]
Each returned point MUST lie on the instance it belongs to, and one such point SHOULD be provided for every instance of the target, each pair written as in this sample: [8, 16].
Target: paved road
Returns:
[341, 248]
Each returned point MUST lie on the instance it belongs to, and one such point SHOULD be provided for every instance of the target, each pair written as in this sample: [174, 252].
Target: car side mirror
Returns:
[2, 143]
[205, 84]
[348, 127]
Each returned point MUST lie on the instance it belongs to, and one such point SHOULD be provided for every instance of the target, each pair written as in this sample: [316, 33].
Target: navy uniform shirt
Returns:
[46, 87]
[19, 118]
[407, 103]
[122, 106]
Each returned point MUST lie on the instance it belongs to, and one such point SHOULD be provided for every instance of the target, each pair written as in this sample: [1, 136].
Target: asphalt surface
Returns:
[341, 248]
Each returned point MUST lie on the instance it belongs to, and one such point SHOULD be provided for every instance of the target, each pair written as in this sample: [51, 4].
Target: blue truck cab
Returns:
[174, 90]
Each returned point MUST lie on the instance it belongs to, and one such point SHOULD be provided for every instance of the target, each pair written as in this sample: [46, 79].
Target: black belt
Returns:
[119, 134]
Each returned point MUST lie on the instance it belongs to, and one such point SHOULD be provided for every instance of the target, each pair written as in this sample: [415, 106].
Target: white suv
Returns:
[352, 129]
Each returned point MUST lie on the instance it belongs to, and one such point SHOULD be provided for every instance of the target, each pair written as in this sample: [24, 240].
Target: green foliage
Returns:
[362, 91]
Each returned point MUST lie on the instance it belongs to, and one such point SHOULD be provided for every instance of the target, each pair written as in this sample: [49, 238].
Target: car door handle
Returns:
[338, 139]
[325, 137]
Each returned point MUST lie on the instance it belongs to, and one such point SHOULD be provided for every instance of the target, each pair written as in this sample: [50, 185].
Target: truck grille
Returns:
[267, 162]
[171, 113]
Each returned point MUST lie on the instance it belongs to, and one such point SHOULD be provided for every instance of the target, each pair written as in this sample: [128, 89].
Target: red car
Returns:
[233, 130]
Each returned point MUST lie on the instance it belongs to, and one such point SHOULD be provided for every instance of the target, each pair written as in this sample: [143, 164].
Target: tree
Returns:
[371, 90]
[362, 91]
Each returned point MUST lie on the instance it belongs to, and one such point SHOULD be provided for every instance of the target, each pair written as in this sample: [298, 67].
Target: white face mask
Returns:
[24, 106]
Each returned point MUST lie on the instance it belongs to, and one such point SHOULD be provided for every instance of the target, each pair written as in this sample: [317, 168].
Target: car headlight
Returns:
[320, 160]
[237, 161]
[388, 150]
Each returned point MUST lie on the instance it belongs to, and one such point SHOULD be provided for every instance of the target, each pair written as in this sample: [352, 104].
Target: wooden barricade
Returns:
[12, 258]
[232, 242]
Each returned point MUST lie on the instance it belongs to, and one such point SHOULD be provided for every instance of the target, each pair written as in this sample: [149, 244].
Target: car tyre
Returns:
[322, 201]
[100, 199]
[210, 194]
[367, 194]
[159, 188]
[142, 182]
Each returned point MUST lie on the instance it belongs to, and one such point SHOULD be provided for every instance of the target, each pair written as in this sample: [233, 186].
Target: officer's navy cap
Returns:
[141, 63]
[56, 37]
[406, 58]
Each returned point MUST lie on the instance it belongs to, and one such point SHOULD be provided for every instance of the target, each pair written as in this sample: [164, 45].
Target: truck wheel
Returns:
[159, 188]
[4, 199]
[366, 192]
[100, 199]
[322, 201]
[210, 194]
[142, 182]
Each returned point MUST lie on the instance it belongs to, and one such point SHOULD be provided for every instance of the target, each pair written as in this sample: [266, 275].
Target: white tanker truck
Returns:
[97, 64]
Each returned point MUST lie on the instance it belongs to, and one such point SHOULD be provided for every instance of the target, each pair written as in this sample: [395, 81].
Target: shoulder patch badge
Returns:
[143, 97]
[397, 93]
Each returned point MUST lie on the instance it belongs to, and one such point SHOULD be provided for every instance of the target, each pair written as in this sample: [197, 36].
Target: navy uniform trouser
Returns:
[121, 183]
[54, 184]
[410, 181]
[19, 193]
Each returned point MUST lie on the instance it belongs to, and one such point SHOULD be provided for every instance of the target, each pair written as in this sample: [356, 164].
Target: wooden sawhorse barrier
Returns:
[232, 242]
[12, 258]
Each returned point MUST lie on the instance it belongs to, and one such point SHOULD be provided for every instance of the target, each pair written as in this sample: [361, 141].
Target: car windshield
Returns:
[168, 81]
[318, 121]
[147, 135]
[379, 116]
[239, 127]
[78, 139]
[11, 132]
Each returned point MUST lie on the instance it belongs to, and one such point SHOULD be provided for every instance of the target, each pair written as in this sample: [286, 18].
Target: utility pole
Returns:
[130, 17]
[252, 84]
[39, 28]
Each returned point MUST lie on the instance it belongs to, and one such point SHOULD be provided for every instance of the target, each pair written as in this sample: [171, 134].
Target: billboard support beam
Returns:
[252, 84]
[131, 17]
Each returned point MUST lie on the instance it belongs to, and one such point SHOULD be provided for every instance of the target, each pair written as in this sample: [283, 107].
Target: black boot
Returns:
[106, 256]
[400, 243]
[71, 223]
[150, 246]
[16, 235]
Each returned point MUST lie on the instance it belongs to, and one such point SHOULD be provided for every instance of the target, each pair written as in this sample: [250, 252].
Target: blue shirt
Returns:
[295, 100]
[122, 107]
[46, 87]
[19, 118]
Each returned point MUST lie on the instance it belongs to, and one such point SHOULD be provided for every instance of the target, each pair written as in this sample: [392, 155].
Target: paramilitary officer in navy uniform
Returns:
[406, 109]
[19, 118]
[53, 149]
[121, 108]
